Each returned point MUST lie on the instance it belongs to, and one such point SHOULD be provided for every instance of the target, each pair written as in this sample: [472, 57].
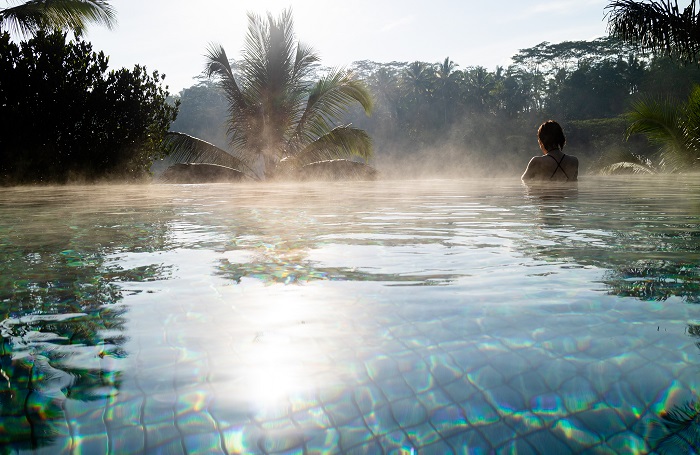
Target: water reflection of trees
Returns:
[649, 251]
[652, 281]
[61, 330]
[286, 263]
[648, 245]
[677, 430]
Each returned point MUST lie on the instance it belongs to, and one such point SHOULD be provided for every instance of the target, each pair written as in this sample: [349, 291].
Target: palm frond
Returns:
[658, 26]
[243, 113]
[219, 67]
[339, 169]
[340, 142]
[74, 15]
[269, 54]
[659, 120]
[672, 160]
[674, 127]
[188, 149]
[304, 62]
[692, 120]
[627, 166]
[328, 101]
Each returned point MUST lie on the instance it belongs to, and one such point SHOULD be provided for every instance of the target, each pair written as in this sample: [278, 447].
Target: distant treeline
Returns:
[437, 118]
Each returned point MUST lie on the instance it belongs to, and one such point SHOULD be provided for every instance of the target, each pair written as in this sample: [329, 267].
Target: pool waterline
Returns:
[365, 318]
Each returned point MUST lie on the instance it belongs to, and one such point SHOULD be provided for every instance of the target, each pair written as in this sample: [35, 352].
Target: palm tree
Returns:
[479, 84]
[446, 82]
[658, 26]
[74, 15]
[278, 121]
[418, 78]
[674, 127]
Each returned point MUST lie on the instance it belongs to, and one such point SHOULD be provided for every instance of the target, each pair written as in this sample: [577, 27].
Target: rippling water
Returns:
[380, 317]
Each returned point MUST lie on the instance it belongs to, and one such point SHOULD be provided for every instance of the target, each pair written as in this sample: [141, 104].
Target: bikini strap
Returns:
[558, 166]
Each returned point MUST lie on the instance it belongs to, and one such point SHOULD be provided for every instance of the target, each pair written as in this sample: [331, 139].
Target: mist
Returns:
[442, 119]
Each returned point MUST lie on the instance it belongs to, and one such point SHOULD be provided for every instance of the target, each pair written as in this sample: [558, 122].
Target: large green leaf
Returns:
[341, 142]
[328, 100]
[658, 26]
[73, 15]
[635, 168]
[673, 126]
[187, 149]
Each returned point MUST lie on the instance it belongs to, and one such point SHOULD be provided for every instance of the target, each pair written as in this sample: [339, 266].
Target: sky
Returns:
[172, 36]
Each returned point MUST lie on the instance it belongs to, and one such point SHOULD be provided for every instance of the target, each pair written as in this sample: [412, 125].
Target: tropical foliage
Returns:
[482, 121]
[657, 25]
[74, 15]
[674, 127]
[66, 116]
[664, 29]
[278, 121]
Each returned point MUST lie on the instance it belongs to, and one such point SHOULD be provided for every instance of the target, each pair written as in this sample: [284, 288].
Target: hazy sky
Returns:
[172, 35]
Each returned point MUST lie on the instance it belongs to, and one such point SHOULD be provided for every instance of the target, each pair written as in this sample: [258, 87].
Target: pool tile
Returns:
[460, 390]
[449, 420]
[486, 377]
[164, 437]
[479, 412]
[396, 388]
[91, 443]
[408, 412]
[578, 394]
[422, 435]
[353, 434]
[381, 420]
[342, 412]
[322, 442]
[497, 434]
[127, 440]
[544, 442]
[443, 369]
[280, 437]
[368, 396]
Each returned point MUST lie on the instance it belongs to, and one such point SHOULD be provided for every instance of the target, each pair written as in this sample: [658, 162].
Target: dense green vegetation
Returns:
[278, 121]
[672, 125]
[439, 118]
[66, 117]
[276, 110]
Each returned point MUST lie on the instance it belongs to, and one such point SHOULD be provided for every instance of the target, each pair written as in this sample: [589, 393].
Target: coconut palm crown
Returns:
[74, 15]
[657, 25]
[278, 120]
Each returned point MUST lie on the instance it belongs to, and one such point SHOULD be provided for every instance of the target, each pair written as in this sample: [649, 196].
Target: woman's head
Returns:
[551, 136]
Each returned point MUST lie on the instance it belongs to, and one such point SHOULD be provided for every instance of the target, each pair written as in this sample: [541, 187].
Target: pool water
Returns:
[440, 316]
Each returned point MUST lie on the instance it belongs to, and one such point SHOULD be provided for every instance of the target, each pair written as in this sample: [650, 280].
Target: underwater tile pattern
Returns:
[430, 393]
[408, 318]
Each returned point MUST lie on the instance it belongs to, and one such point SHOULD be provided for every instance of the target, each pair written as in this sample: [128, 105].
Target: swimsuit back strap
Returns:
[558, 166]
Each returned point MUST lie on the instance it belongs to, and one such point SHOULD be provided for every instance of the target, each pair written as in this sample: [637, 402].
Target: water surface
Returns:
[372, 317]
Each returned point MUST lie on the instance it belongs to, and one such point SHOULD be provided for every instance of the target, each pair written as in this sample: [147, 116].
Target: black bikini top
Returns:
[558, 166]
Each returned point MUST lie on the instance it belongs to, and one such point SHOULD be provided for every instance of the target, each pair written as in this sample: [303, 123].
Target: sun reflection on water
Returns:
[406, 316]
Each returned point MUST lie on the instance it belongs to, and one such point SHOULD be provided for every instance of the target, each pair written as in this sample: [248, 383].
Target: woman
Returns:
[554, 165]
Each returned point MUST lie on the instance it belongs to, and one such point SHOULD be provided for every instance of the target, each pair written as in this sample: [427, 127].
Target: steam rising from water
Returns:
[385, 315]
